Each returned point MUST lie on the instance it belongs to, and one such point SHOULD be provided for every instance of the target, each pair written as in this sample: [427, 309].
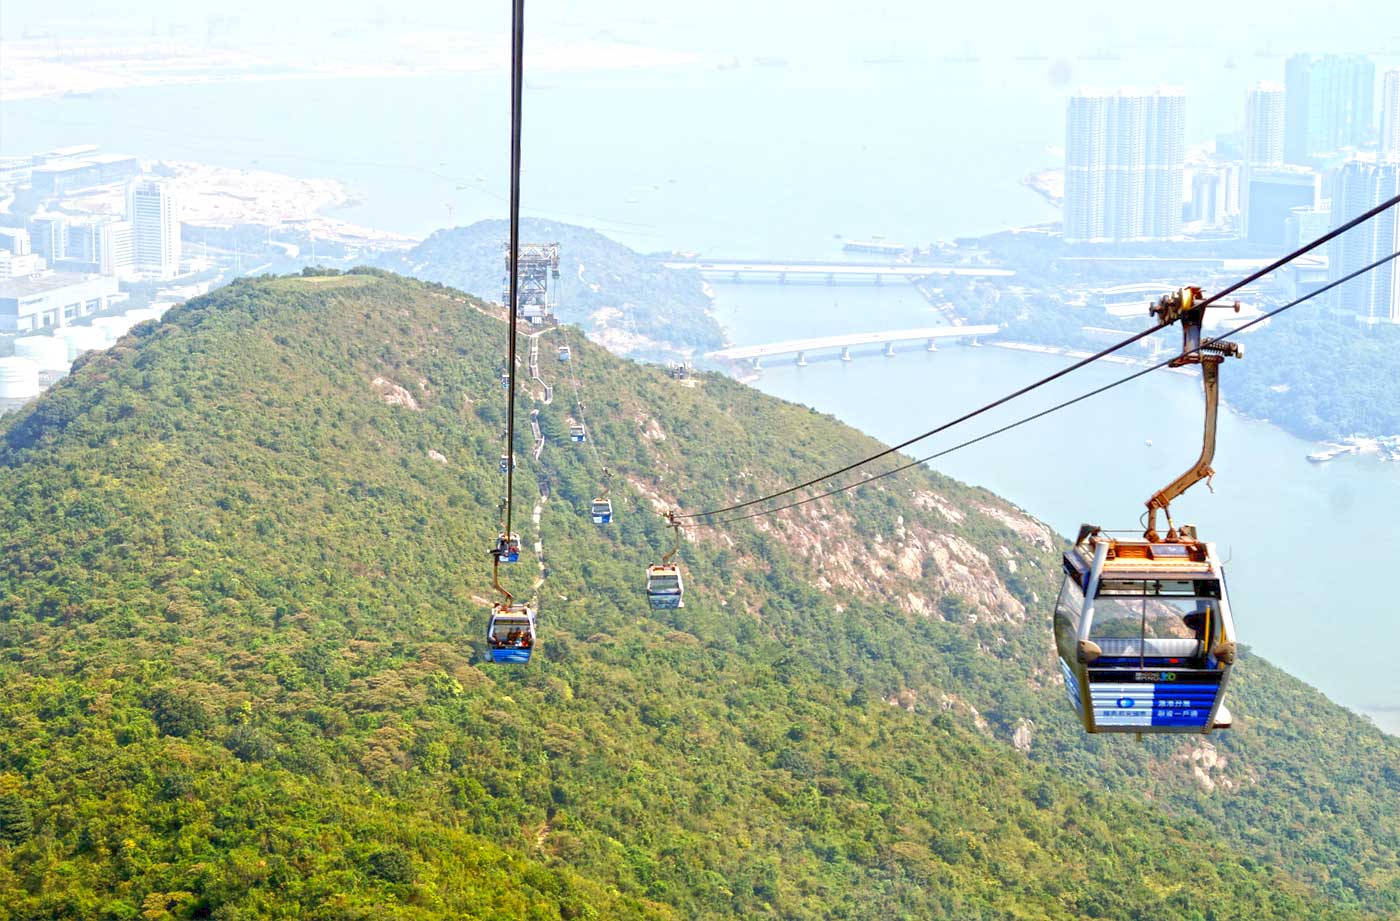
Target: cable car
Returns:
[1144, 634]
[511, 635]
[665, 588]
[505, 381]
[577, 433]
[564, 354]
[509, 547]
[507, 463]
[601, 510]
[1142, 626]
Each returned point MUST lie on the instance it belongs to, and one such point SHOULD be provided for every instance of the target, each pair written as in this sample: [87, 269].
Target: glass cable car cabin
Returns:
[664, 587]
[564, 353]
[507, 462]
[511, 635]
[1144, 634]
[508, 547]
[577, 432]
[601, 511]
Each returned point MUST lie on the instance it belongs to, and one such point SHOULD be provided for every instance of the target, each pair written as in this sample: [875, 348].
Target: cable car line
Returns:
[1035, 385]
[516, 84]
[510, 635]
[1057, 407]
[601, 508]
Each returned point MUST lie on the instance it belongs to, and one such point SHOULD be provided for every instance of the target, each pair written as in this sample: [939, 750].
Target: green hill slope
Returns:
[241, 602]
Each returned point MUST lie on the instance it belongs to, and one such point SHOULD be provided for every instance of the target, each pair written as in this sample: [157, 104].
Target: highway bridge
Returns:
[829, 272]
[887, 338]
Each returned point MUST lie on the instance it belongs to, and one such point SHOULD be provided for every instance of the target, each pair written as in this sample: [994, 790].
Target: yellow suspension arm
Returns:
[1208, 354]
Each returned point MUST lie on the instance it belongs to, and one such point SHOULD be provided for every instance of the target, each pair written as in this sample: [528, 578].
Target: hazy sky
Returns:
[776, 27]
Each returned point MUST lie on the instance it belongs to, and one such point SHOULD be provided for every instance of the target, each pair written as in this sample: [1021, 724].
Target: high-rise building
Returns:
[154, 213]
[1361, 186]
[1124, 157]
[1390, 116]
[48, 235]
[1215, 194]
[1263, 125]
[1263, 135]
[1330, 103]
[102, 245]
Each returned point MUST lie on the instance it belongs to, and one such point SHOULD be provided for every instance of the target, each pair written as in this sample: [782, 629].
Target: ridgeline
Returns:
[241, 612]
[628, 302]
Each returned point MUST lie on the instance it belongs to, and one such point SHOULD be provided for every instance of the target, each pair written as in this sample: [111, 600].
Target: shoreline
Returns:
[220, 197]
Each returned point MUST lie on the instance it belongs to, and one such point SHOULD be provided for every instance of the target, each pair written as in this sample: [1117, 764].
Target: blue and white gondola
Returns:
[510, 638]
[665, 588]
[1144, 634]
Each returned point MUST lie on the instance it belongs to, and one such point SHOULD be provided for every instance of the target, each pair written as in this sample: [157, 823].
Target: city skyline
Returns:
[1124, 160]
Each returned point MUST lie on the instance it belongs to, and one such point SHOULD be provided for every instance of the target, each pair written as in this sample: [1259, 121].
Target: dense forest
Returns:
[242, 600]
[625, 300]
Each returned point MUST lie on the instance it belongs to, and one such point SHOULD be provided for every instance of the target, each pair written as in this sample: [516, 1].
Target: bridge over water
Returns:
[848, 341]
[829, 272]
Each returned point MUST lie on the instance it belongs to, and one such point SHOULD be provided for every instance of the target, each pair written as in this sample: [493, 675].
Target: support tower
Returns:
[539, 282]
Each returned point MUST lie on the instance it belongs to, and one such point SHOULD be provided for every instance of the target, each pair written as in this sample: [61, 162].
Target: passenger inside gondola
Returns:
[510, 636]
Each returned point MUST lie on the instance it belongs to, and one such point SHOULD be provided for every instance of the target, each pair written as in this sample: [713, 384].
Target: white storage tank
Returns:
[48, 353]
[113, 327]
[19, 378]
[82, 339]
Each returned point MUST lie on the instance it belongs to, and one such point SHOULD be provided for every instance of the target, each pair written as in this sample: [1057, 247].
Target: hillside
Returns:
[241, 607]
[623, 299]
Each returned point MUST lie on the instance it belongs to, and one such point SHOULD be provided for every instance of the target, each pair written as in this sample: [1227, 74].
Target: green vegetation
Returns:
[241, 604]
[623, 298]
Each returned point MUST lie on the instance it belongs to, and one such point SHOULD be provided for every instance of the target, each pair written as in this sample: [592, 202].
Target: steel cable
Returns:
[1035, 385]
[1059, 406]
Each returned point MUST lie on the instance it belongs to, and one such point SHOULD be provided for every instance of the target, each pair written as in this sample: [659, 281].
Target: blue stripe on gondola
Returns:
[1167, 704]
[665, 601]
[1072, 687]
[518, 656]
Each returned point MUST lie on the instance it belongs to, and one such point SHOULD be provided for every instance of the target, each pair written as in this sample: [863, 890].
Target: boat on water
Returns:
[873, 246]
[1331, 452]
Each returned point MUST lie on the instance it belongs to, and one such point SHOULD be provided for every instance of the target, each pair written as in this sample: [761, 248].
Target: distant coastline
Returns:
[34, 69]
